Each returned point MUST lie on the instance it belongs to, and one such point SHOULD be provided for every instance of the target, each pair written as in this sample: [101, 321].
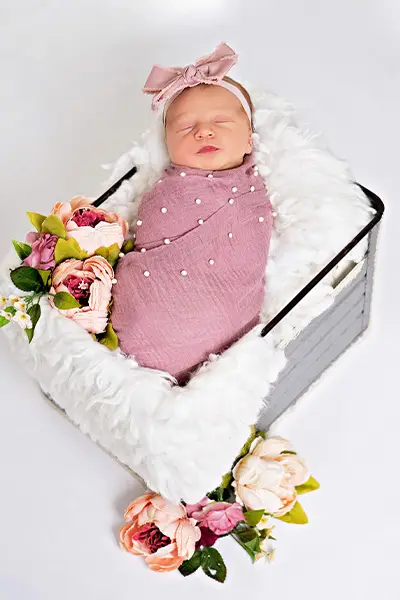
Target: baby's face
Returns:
[207, 116]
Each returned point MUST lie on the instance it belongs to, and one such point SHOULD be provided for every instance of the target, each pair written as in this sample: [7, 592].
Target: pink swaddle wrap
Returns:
[195, 282]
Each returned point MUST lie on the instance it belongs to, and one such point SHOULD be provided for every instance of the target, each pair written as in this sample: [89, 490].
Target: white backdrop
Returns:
[70, 101]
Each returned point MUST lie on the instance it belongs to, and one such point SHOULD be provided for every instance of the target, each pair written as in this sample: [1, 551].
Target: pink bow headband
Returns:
[166, 83]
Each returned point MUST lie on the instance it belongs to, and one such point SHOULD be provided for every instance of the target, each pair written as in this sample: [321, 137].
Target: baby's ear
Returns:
[249, 144]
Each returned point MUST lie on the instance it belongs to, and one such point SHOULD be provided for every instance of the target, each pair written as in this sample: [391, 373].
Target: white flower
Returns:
[267, 479]
[3, 302]
[6, 315]
[12, 300]
[263, 522]
[20, 305]
[23, 320]
[267, 551]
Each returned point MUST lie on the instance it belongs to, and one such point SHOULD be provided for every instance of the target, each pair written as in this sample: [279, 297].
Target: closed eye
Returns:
[223, 121]
[187, 128]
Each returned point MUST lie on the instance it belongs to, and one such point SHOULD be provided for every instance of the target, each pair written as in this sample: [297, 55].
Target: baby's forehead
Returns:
[201, 99]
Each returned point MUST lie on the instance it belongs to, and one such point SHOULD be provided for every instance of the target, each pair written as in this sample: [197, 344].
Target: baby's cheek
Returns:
[180, 152]
[175, 149]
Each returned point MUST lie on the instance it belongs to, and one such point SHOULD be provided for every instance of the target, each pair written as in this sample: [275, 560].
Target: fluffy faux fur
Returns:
[181, 440]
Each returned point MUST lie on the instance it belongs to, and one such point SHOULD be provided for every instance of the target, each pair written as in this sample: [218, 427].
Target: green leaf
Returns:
[27, 279]
[65, 301]
[68, 249]
[45, 275]
[54, 226]
[128, 246]
[11, 309]
[36, 219]
[248, 538]
[251, 538]
[241, 526]
[309, 486]
[226, 480]
[190, 566]
[296, 516]
[213, 564]
[102, 251]
[262, 434]
[253, 516]
[23, 250]
[34, 312]
[110, 339]
[110, 253]
[113, 254]
[246, 447]
[217, 494]
[3, 321]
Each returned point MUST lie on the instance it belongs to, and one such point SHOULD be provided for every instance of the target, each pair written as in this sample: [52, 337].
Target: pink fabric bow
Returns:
[167, 82]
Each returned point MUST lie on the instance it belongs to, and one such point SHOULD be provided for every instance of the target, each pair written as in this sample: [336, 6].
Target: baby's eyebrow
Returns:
[181, 116]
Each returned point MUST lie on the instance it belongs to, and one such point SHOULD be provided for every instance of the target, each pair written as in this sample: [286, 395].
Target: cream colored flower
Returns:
[11, 300]
[23, 320]
[263, 522]
[5, 315]
[267, 551]
[3, 302]
[20, 305]
[266, 479]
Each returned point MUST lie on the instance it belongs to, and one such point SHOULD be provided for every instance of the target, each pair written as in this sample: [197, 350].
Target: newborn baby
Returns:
[195, 282]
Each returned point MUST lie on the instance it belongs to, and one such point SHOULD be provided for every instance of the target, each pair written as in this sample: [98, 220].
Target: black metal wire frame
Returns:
[376, 203]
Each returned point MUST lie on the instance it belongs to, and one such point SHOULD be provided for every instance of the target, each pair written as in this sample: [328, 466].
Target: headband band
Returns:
[225, 84]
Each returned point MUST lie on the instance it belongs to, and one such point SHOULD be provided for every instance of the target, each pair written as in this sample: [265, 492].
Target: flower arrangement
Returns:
[264, 484]
[70, 258]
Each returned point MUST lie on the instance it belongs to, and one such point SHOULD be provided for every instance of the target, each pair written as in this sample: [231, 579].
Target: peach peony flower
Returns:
[266, 479]
[91, 227]
[64, 210]
[159, 531]
[89, 282]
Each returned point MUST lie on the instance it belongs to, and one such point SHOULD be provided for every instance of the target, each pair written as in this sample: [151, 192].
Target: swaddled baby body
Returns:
[195, 282]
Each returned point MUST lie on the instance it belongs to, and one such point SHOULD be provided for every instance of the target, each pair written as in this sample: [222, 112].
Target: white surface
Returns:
[70, 100]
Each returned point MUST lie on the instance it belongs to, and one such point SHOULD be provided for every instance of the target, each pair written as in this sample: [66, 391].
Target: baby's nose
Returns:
[204, 131]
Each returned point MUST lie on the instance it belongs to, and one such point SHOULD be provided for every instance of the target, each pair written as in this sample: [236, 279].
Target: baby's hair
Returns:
[245, 93]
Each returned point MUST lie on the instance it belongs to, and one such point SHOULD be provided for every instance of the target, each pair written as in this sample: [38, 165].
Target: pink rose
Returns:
[91, 227]
[219, 517]
[89, 282]
[159, 531]
[42, 255]
[191, 508]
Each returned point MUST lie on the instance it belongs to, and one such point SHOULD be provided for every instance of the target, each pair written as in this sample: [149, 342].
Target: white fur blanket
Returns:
[181, 440]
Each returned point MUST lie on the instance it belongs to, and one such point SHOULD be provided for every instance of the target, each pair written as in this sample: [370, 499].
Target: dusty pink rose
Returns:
[191, 508]
[159, 531]
[89, 281]
[267, 479]
[91, 227]
[219, 517]
[42, 255]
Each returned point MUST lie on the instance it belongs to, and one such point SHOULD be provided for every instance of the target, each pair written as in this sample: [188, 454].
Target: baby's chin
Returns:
[213, 161]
